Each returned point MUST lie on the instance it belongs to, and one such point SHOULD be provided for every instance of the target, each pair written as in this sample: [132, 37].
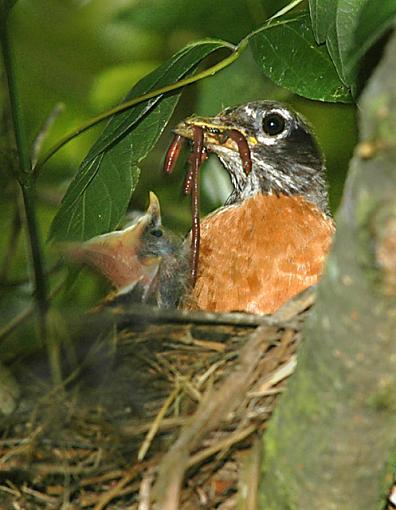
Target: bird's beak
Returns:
[116, 254]
[216, 131]
[153, 213]
[130, 237]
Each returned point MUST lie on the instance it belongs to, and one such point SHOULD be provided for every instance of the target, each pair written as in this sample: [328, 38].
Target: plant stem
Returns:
[24, 175]
[273, 20]
[289, 7]
[16, 110]
[236, 51]
[36, 254]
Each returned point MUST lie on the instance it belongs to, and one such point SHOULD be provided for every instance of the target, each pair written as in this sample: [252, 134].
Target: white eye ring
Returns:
[279, 113]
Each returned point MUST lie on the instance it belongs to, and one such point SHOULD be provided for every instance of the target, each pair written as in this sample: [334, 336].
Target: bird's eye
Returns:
[156, 233]
[273, 124]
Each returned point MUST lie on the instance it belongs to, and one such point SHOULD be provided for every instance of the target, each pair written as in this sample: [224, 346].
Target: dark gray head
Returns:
[286, 158]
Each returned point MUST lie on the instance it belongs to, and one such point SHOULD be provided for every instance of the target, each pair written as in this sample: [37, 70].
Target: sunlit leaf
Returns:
[97, 198]
[288, 54]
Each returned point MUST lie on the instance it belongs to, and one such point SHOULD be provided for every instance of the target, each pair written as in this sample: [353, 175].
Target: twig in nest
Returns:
[209, 414]
[279, 375]
[141, 312]
[145, 490]
[156, 424]
[249, 479]
[133, 429]
[40, 496]
[224, 444]
[116, 490]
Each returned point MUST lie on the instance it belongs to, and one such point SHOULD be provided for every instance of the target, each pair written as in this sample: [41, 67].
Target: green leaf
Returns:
[374, 19]
[340, 36]
[322, 17]
[90, 207]
[98, 196]
[287, 53]
[169, 72]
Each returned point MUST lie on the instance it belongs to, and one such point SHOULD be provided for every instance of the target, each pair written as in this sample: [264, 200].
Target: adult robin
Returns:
[270, 239]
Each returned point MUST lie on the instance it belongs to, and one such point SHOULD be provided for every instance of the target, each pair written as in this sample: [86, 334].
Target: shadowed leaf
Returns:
[322, 16]
[374, 19]
[340, 36]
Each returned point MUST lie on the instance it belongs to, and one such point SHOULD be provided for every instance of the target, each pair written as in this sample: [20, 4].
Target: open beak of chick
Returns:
[126, 257]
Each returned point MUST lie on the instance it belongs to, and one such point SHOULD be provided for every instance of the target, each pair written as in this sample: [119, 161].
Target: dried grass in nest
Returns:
[166, 413]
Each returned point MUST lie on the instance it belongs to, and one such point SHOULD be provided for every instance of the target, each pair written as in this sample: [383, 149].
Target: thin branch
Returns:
[40, 283]
[24, 176]
[20, 319]
[15, 104]
[289, 7]
[43, 133]
[273, 20]
[141, 312]
[14, 323]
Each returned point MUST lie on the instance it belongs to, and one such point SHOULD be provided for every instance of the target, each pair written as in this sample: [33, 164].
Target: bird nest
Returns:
[164, 410]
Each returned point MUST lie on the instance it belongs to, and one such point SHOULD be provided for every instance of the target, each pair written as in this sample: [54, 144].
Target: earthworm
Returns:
[191, 182]
[189, 176]
[243, 149]
[192, 186]
[173, 153]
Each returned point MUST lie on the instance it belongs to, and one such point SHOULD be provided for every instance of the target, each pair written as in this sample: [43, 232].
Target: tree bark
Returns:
[332, 438]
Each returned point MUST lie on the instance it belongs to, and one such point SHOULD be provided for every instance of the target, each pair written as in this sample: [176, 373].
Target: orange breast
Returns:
[257, 255]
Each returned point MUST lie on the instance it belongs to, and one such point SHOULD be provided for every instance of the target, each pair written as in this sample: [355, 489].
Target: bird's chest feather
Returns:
[256, 255]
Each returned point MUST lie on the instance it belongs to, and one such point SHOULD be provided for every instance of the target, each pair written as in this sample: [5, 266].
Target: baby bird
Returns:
[144, 262]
